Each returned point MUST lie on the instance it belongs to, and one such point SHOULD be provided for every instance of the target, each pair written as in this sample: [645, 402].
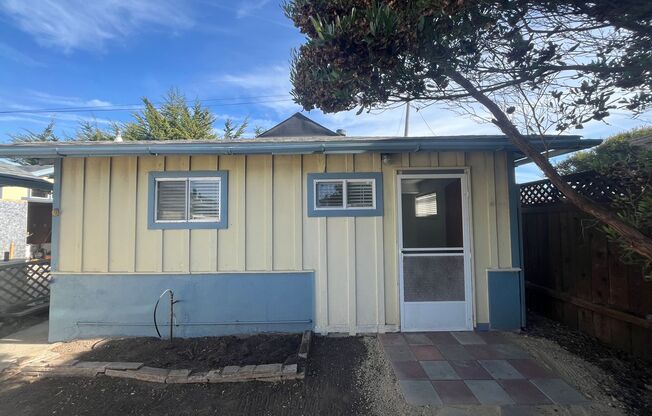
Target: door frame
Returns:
[469, 286]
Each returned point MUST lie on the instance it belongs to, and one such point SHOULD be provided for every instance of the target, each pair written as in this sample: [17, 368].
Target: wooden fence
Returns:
[574, 275]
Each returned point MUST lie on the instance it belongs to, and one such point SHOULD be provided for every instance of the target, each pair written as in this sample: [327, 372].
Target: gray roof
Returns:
[297, 125]
[16, 175]
[291, 145]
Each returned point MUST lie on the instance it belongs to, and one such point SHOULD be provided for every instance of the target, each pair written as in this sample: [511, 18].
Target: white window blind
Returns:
[360, 194]
[426, 205]
[344, 193]
[171, 200]
[205, 199]
[188, 200]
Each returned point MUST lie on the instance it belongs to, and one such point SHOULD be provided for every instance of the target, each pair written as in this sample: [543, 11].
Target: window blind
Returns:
[360, 194]
[205, 199]
[426, 205]
[171, 200]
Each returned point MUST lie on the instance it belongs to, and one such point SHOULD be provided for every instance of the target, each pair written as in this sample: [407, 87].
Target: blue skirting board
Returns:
[99, 305]
[504, 299]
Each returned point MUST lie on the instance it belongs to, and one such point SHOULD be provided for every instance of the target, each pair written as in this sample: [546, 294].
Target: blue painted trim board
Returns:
[97, 305]
[515, 229]
[504, 299]
[56, 216]
[224, 200]
[376, 212]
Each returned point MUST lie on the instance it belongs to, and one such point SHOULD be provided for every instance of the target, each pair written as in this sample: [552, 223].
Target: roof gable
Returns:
[298, 125]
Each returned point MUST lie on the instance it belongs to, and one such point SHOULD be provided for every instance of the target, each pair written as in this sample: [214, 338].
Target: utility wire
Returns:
[131, 107]
[424, 120]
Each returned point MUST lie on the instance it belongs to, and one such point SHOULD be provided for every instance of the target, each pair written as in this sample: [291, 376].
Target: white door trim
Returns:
[467, 241]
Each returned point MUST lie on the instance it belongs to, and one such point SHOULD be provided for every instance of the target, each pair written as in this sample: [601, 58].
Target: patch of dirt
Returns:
[197, 354]
[606, 375]
[330, 388]
[9, 326]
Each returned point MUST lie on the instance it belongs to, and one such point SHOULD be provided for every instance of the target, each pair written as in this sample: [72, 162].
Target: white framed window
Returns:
[188, 200]
[40, 194]
[345, 194]
[425, 205]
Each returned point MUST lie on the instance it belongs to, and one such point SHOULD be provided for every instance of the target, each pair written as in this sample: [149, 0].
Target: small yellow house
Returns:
[25, 206]
[300, 228]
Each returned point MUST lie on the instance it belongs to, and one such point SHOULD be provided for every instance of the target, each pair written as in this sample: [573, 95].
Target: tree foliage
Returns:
[630, 166]
[562, 63]
[533, 66]
[173, 120]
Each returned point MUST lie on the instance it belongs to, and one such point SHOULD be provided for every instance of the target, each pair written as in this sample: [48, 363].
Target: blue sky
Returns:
[73, 53]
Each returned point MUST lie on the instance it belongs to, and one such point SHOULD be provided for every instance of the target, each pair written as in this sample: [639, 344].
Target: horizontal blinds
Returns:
[330, 194]
[426, 205]
[204, 199]
[171, 200]
[360, 194]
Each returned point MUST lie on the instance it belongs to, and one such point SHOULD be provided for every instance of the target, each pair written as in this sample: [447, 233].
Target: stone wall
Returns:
[13, 227]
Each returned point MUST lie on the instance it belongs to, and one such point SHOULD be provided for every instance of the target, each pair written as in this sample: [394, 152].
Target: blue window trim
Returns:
[224, 200]
[376, 212]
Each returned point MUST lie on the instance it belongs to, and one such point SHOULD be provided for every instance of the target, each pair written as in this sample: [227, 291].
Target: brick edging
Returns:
[138, 371]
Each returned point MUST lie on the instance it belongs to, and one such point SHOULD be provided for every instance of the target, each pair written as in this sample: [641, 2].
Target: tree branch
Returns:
[637, 241]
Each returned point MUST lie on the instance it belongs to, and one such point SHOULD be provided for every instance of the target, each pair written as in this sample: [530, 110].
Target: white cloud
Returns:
[246, 7]
[88, 25]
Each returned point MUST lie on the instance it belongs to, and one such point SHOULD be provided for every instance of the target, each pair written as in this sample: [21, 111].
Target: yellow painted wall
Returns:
[13, 193]
[104, 227]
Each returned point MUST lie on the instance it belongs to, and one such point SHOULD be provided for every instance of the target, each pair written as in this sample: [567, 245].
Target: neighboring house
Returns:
[25, 208]
[286, 233]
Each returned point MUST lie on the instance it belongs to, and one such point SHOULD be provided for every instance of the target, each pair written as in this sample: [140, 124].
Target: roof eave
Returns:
[571, 143]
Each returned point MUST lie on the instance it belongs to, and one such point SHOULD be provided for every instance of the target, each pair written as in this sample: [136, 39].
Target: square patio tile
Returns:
[454, 393]
[426, 352]
[509, 351]
[442, 338]
[483, 352]
[419, 393]
[439, 370]
[468, 337]
[417, 338]
[470, 370]
[559, 391]
[500, 369]
[530, 369]
[399, 353]
[493, 337]
[488, 392]
[524, 392]
[392, 339]
[409, 370]
[454, 352]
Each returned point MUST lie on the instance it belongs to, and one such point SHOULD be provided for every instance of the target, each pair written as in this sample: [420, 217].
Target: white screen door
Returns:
[435, 267]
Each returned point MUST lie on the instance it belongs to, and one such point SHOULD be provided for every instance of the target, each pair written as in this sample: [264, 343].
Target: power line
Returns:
[131, 107]
[424, 120]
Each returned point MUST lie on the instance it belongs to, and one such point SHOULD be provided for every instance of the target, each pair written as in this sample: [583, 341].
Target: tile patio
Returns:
[472, 368]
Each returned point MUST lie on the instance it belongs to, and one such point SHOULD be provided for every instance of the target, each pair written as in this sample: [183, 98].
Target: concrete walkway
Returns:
[472, 368]
[24, 345]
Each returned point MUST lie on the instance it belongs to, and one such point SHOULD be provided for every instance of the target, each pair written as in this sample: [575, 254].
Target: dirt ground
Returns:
[330, 388]
[345, 376]
[604, 373]
[197, 354]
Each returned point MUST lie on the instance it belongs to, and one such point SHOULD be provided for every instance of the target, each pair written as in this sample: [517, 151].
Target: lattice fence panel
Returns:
[590, 184]
[24, 282]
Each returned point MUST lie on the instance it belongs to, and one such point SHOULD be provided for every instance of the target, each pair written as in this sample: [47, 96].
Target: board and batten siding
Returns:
[103, 227]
